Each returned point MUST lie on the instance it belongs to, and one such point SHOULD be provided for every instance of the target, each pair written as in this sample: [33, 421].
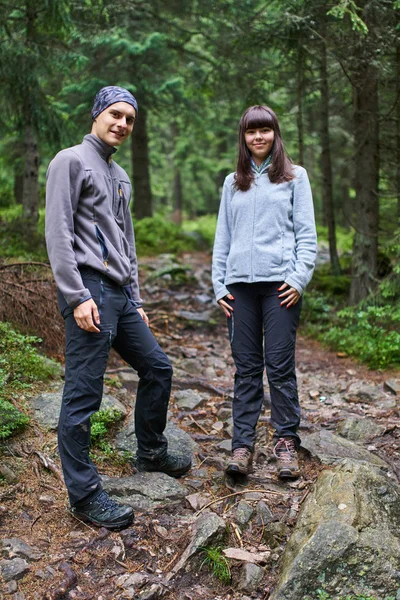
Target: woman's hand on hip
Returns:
[227, 308]
[289, 294]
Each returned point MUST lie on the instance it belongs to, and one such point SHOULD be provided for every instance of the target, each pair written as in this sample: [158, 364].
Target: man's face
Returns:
[114, 125]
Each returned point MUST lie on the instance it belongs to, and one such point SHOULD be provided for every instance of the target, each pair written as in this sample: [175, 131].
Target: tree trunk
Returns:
[30, 194]
[366, 167]
[398, 131]
[178, 198]
[143, 205]
[299, 91]
[326, 166]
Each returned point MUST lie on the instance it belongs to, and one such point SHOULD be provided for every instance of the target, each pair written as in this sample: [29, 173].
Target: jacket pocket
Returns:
[102, 243]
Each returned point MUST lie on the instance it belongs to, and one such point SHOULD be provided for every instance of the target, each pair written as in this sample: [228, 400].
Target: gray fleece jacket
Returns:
[88, 220]
[265, 234]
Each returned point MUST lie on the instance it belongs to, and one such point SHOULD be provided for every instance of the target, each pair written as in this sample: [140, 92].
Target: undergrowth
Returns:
[217, 563]
[20, 366]
[101, 425]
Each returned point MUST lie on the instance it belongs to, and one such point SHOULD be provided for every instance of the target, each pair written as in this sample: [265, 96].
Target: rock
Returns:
[218, 426]
[244, 512]
[392, 386]
[330, 449]
[197, 501]
[251, 577]
[15, 547]
[314, 394]
[11, 587]
[210, 373]
[274, 533]
[46, 499]
[134, 580]
[145, 491]
[9, 475]
[47, 407]
[199, 317]
[264, 514]
[154, 592]
[129, 375]
[16, 569]
[190, 399]
[225, 446]
[245, 556]
[360, 430]
[179, 442]
[209, 529]
[348, 531]
[361, 392]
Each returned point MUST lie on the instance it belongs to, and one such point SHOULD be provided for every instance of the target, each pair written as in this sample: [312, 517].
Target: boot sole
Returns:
[288, 474]
[234, 469]
[112, 525]
[175, 474]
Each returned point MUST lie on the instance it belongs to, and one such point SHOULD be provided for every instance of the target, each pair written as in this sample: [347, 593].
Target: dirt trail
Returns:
[79, 562]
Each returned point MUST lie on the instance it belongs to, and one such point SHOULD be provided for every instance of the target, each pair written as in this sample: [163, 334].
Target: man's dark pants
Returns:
[257, 315]
[122, 328]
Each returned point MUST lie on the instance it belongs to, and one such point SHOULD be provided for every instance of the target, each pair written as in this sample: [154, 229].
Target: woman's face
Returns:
[259, 141]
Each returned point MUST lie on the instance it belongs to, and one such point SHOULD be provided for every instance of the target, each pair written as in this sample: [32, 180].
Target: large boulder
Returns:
[179, 442]
[347, 538]
[331, 449]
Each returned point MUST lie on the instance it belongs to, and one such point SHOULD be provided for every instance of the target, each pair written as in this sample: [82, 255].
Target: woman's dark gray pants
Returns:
[263, 333]
[122, 328]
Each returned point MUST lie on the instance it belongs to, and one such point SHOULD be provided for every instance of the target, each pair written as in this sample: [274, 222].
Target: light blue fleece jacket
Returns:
[265, 234]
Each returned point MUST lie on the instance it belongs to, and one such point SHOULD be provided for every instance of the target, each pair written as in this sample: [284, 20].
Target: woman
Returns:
[264, 256]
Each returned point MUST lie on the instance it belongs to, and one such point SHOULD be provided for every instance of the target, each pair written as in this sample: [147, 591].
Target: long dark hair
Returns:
[281, 167]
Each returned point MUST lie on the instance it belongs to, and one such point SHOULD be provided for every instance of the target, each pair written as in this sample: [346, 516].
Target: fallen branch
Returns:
[48, 463]
[69, 582]
[248, 491]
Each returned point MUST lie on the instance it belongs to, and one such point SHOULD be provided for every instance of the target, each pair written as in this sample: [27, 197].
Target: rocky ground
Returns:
[350, 417]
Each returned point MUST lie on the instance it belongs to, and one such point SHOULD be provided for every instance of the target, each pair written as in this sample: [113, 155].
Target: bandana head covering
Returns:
[110, 95]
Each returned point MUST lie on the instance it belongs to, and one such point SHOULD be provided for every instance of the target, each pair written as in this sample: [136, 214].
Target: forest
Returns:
[331, 72]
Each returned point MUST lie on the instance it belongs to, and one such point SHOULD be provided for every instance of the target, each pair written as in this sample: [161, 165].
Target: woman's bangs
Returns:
[258, 118]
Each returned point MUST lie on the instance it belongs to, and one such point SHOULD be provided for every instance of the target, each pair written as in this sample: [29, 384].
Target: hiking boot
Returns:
[286, 455]
[104, 512]
[172, 465]
[240, 462]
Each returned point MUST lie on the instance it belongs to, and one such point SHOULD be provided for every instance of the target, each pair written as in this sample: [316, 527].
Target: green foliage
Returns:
[100, 423]
[371, 334]
[20, 363]
[344, 237]
[20, 366]
[15, 245]
[157, 235]
[11, 418]
[217, 563]
[350, 9]
[204, 226]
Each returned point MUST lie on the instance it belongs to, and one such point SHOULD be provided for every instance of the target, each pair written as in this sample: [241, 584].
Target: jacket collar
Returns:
[101, 147]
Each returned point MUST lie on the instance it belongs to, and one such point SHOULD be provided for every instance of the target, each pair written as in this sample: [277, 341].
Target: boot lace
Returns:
[241, 454]
[106, 502]
[285, 450]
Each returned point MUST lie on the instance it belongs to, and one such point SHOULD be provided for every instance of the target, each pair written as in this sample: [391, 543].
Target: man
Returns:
[91, 246]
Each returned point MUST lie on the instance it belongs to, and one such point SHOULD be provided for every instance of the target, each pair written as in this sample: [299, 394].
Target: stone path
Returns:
[350, 453]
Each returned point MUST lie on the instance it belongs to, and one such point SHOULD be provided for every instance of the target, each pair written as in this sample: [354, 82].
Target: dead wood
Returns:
[69, 582]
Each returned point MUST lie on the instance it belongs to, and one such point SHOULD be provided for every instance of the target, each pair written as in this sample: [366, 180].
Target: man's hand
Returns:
[291, 295]
[228, 310]
[87, 316]
[143, 315]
